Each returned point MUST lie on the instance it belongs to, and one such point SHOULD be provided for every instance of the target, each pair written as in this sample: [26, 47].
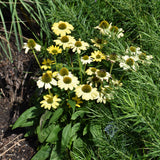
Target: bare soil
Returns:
[16, 89]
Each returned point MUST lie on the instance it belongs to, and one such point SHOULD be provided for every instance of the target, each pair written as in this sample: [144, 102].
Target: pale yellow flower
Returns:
[98, 42]
[31, 44]
[115, 31]
[98, 56]
[79, 45]
[47, 64]
[62, 28]
[86, 59]
[54, 50]
[68, 82]
[133, 50]
[65, 41]
[87, 92]
[103, 75]
[46, 80]
[129, 62]
[144, 58]
[50, 101]
[91, 71]
[104, 27]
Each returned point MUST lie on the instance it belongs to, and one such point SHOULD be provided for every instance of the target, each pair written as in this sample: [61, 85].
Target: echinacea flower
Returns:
[98, 56]
[113, 57]
[46, 80]
[133, 50]
[68, 82]
[87, 92]
[86, 59]
[98, 42]
[54, 50]
[115, 31]
[65, 41]
[31, 44]
[104, 27]
[129, 62]
[47, 64]
[102, 74]
[62, 28]
[91, 71]
[63, 72]
[79, 45]
[50, 101]
[144, 58]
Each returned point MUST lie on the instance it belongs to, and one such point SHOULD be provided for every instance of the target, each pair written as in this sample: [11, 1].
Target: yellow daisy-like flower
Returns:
[50, 101]
[65, 41]
[79, 45]
[144, 59]
[91, 71]
[31, 44]
[98, 42]
[86, 59]
[103, 75]
[46, 80]
[77, 100]
[47, 64]
[68, 82]
[63, 72]
[54, 50]
[87, 92]
[62, 28]
[98, 56]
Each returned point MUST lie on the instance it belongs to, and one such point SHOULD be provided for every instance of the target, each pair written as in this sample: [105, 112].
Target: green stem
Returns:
[36, 58]
[80, 67]
[121, 78]
[49, 91]
[55, 61]
[111, 68]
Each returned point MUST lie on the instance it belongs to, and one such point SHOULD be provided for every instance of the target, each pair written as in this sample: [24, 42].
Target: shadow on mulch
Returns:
[16, 89]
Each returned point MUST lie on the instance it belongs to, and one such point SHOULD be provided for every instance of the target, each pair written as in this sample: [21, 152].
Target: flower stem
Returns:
[111, 68]
[80, 67]
[36, 58]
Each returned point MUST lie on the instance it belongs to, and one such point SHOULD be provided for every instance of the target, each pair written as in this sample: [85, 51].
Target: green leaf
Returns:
[43, 153]
[56, 115]
[72, 104]
[75, 128]
[85, 130]
[53, 136]
[66, 136]
[45, 117]
[28, 117]
[43, 133]
[77, 114]
[55, 155]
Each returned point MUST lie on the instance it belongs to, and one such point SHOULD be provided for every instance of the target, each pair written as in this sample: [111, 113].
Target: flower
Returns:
[115, 31]
[105, 94]
[133, 50]
[98, 42]
[47, 64]
[104, 27]
[86, 59]
[91, 70]
[144, 59]
[62, 28]
[79, 45]
[63, 72]
[97, 56]
[87, 92]
[103, 75]
[50, 101]
[113, 57]
[65, 41]
[78, 101]
[129, 62]
[31, 44]
[68, 82]
[46, 80]
[54, 50]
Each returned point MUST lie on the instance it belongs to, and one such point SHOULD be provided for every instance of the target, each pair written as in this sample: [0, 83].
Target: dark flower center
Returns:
[104, 25]
[130, 61]
[31, 43]
[78, 44]
[62, 26]
[67, 80]
[46, 78]
[64, 71]
[65, 39]
[86, 88]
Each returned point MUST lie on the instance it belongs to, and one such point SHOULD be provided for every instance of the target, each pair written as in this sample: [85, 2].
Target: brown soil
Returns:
[16, 89]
